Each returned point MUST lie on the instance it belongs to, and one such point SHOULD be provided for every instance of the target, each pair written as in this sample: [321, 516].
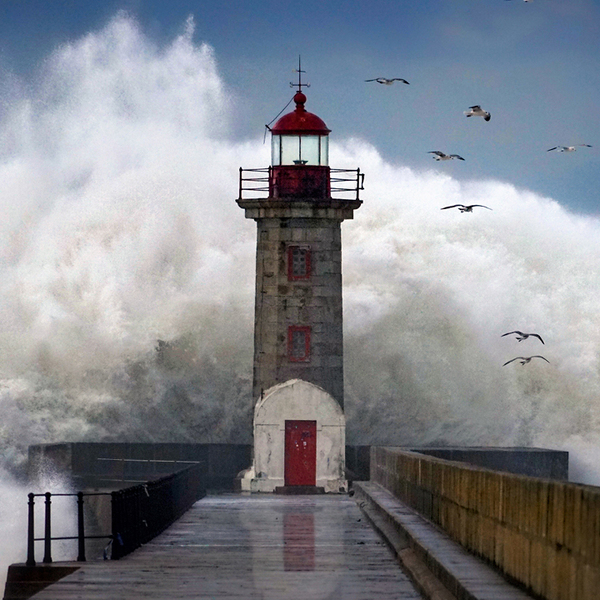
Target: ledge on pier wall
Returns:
[111, 464]
[541, 533]
[536, 462]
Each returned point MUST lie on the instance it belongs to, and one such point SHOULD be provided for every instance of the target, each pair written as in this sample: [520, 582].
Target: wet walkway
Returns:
[251, 547]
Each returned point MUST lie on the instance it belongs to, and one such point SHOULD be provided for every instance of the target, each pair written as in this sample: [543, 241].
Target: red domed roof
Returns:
[300, 121]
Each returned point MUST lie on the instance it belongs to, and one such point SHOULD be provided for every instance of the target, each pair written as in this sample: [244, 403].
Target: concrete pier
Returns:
[251, 547]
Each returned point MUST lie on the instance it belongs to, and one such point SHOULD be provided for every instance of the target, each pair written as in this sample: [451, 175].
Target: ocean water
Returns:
[118, 175]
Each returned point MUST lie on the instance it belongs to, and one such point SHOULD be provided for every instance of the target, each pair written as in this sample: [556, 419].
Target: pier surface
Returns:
[251, 547]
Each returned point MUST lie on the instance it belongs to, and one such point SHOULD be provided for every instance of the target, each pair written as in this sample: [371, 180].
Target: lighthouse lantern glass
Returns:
[309, 150]
[299, 150]
[276, 150]
[324, 150]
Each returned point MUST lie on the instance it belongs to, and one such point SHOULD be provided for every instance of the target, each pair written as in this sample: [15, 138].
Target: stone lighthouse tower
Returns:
[298, 343]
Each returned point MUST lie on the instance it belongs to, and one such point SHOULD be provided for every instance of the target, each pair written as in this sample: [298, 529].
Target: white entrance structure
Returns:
[291, 402]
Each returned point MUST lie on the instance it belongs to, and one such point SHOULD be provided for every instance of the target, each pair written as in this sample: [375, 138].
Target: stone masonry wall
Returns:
[541, 533]
[314, 302]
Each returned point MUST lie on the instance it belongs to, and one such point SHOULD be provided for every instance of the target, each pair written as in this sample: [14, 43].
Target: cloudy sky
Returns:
[533, 65]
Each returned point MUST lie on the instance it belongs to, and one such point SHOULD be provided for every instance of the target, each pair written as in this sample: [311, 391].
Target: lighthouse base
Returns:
[299, 441]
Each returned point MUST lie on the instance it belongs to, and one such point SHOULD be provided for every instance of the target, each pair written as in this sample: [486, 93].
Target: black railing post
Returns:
[116, 550]
[30, 532]
[48, 531]
[240, 190]
[80, 528]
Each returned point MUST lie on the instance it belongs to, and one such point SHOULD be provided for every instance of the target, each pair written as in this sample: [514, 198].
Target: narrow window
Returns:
[298, 262]
[299, 343]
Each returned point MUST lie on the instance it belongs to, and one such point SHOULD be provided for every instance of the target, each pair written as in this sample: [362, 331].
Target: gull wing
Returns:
[457, 156]
[511, 332]
[453, 206]
[482, 206]
[538, 356]
[539, 337]
[513, 359]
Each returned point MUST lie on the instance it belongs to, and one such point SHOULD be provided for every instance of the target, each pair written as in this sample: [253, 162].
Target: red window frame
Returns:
[290, 260]
[305, 357]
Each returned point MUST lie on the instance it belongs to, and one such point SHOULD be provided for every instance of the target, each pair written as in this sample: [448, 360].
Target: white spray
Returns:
[118, 176]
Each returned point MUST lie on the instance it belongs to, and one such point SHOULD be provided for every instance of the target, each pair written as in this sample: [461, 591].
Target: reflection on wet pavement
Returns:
[262, 547]
[298, 542]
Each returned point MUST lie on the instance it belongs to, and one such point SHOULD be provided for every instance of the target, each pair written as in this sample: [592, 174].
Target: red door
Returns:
[300, 452]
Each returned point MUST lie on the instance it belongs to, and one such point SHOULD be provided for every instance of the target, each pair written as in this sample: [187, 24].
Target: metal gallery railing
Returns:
[343, 182]
[139, 513]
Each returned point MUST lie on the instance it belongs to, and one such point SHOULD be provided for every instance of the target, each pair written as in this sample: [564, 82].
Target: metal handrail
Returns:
[139, 513]
[48, 539]
[153, 460]
[153, 465]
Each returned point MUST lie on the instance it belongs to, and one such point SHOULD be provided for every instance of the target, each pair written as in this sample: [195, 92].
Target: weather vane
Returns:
[299, 70]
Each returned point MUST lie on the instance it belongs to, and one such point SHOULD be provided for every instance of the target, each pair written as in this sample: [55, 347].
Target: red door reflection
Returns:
[299, 542]
[300, 452]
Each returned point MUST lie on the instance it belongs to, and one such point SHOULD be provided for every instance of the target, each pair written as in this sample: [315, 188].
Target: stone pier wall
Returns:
[541, 533]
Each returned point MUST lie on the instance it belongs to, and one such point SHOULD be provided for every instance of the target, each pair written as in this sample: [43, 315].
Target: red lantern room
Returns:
[299, 155]
[299, 168]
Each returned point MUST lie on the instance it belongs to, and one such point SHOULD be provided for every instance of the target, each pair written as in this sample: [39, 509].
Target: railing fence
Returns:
[343, 181]
[139, 513]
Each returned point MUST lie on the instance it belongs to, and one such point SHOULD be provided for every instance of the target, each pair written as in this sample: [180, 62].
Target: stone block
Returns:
[588, 582]
[325, 290]
[590, 549]
[299, 235]
[268, 348]
[556, 513]
[333, 361]
[572, 518]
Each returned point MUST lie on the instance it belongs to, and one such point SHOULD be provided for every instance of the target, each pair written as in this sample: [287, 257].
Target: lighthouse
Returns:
[299, 203]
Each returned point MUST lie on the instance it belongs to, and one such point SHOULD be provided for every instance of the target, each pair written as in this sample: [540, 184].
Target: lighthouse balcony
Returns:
[300, 182]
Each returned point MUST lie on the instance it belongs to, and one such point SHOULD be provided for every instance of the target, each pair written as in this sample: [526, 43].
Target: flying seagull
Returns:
[464, 208]
[523, 336]
[567, 148]
[386, 81]
[525, 359]
[441, 156]
[477, 111]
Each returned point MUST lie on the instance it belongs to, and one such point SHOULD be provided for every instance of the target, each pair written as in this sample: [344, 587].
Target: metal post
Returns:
[117, 541]
[30, 533]
[48, 531]
[80, 528]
